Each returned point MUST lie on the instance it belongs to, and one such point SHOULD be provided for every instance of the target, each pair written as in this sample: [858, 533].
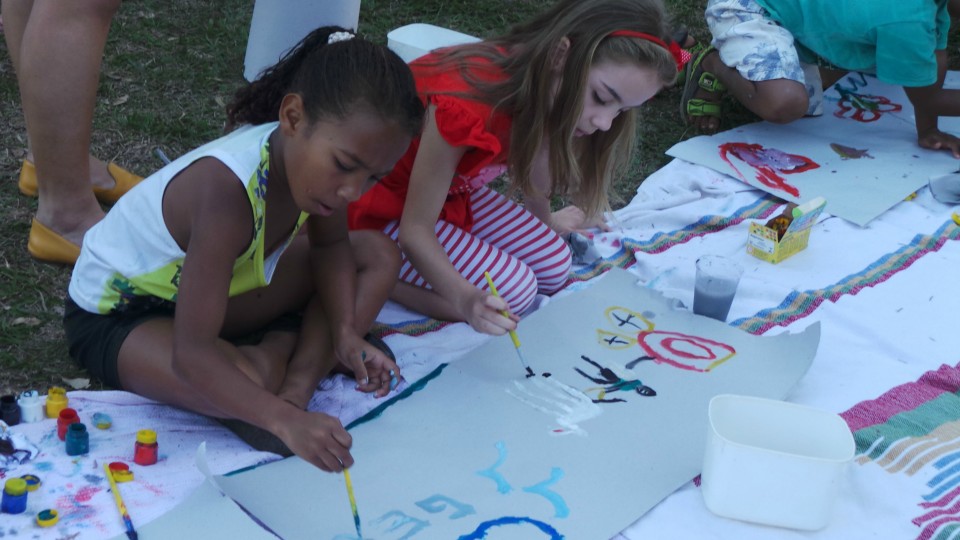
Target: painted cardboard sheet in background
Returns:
[614, 421]
[861, 155]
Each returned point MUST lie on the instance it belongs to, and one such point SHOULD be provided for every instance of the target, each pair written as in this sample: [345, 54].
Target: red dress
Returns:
[461, 122]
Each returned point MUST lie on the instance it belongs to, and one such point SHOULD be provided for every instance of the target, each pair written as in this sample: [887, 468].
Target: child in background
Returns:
[766, 54]
[207, 250]
[553, 102]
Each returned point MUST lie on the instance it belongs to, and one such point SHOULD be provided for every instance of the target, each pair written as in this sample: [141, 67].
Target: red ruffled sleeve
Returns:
[461, 122]
[468, 123]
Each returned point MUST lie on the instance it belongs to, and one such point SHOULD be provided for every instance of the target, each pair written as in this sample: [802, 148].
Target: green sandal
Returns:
[696, 78]
[694, 50]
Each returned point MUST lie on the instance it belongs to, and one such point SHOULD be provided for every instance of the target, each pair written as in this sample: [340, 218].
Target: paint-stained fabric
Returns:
[130, 257]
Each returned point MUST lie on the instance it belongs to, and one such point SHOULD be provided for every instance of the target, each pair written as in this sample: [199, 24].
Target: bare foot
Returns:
[99, 175]
[72, 224]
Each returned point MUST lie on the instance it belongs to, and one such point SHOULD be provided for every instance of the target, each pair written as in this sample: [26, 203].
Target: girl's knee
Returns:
[552, 276]
[375, 250]
[782, 101]
[521, 290]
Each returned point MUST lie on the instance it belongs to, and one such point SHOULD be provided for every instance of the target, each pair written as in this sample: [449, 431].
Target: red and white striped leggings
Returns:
[523, 255]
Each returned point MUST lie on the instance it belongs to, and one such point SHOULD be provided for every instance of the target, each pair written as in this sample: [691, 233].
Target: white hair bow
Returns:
[339, 36]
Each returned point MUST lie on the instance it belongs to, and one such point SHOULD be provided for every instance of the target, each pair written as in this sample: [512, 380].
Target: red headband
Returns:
[680, 56]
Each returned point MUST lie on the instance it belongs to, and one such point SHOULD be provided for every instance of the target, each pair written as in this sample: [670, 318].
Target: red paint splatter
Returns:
[767, 162]
[615, 243]
[863, 107]
[152, 488]
[86, 493]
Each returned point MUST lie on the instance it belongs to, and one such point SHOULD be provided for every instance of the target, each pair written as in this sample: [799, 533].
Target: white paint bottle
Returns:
[31, 408]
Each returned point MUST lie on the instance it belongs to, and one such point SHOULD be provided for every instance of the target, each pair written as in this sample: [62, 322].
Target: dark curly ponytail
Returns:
[332, 78]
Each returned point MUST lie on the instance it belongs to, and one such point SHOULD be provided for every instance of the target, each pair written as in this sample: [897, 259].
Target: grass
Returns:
[169, 68]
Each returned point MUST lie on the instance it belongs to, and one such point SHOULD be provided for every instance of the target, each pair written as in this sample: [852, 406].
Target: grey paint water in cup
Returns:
[715, 286]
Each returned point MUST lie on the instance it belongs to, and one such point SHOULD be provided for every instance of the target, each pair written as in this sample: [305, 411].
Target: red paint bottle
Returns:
[145, 450]
[65, 418]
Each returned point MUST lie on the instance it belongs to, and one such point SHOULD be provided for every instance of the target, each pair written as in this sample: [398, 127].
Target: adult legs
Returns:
[56, 48]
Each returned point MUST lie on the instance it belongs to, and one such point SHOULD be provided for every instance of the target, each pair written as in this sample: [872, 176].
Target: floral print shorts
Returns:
[749, 41]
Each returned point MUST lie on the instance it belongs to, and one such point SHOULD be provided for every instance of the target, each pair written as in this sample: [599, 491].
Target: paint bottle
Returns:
[65, 418]
[9, 410]
[121, 472]
[14, 496]
[32, 480]
[48, 517]
[78, 440]
[56, 401]
[145, 450]
[31, 408]
[102, 420]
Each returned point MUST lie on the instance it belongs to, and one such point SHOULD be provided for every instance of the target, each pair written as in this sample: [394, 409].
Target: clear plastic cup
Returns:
[715, 286]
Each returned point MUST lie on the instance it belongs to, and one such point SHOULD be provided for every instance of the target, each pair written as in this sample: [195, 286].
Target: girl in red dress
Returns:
[552, 103]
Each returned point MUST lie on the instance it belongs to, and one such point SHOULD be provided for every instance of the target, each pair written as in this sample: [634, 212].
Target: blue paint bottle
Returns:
[14, 496]
[77, 439]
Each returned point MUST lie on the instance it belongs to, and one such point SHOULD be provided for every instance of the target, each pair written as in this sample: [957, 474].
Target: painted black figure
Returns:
[614, 383]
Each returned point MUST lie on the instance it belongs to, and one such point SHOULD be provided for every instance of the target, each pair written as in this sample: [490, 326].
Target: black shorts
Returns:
[94, 340]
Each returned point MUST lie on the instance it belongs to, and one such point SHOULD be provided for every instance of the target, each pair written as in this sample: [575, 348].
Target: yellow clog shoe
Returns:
[47, 246]
[28, 179]
[122, 178]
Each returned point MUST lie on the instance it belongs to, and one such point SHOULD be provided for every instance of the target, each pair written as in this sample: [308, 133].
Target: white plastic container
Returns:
[774, 462]
[415, 40]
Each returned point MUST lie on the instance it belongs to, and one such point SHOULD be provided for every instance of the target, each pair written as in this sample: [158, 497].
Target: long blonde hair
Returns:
[526, 55]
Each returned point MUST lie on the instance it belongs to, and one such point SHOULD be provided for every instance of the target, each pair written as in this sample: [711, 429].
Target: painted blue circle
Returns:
[485, 527]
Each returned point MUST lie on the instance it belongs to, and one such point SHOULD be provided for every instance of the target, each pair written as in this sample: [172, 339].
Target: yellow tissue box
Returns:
[763, 242]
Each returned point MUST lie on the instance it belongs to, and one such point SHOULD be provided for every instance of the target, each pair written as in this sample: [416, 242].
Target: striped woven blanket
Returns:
[885, 296]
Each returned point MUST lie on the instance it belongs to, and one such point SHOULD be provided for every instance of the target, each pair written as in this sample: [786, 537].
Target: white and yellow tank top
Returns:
[130, 257]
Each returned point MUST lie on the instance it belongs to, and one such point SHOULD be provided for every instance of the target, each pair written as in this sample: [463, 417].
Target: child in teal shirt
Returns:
[768, 53]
